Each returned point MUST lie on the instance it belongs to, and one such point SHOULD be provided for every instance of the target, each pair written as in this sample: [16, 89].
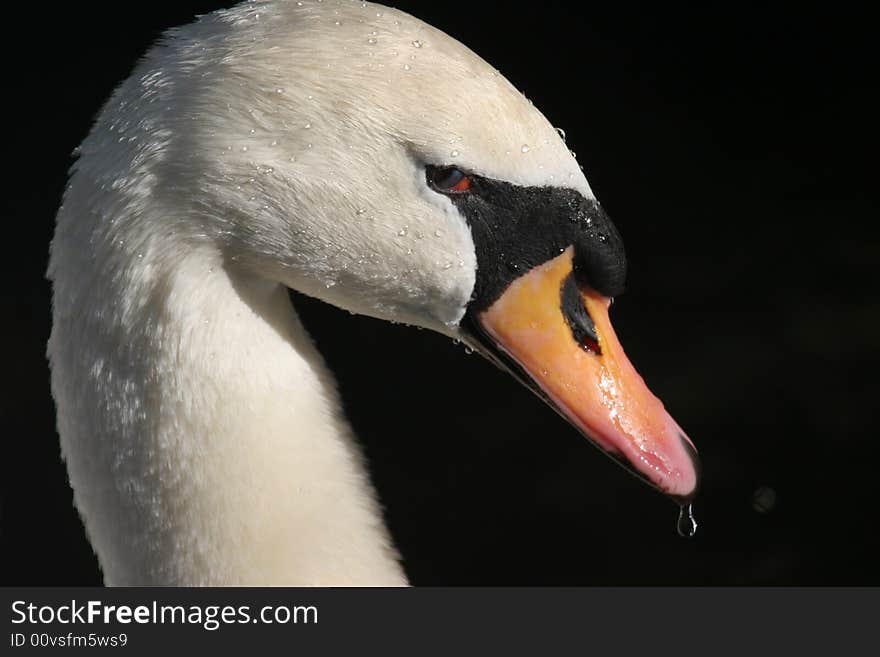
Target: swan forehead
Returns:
[362, 70]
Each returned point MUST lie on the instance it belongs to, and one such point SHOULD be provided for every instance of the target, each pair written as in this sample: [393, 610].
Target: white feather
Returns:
[274, 144]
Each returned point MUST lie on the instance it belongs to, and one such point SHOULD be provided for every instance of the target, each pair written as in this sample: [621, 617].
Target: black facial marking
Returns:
[517, 228]
[582, 327]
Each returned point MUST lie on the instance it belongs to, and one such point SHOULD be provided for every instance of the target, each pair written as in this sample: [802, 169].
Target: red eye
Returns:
[448, 179]
[462, 185]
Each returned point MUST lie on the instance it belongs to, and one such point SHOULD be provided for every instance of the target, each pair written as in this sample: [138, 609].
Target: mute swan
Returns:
[356, 154]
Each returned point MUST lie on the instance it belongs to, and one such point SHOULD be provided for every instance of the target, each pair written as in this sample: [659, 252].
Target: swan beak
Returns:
[556, 335]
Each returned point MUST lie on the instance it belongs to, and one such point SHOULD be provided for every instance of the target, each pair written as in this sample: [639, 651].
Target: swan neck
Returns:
[202, 431]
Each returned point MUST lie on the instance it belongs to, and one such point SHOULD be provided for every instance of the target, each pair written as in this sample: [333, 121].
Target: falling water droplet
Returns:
[687, 524]
[525, 148]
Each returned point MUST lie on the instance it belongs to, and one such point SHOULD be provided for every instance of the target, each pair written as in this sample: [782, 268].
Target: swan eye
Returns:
[448, 179]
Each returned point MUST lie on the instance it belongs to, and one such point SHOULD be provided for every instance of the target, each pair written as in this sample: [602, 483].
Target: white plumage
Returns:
[274, 144]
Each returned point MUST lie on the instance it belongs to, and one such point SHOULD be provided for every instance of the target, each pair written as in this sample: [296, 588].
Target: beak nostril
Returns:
[583, 328]
[590, 345]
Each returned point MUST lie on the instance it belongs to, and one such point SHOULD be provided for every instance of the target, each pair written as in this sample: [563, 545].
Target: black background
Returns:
[730, 145]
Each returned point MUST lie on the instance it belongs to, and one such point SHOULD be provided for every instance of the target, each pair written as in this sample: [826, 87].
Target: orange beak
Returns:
[587, 376]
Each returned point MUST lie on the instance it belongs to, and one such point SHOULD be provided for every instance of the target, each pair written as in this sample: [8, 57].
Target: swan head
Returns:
[358, 155]
[313, 128]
